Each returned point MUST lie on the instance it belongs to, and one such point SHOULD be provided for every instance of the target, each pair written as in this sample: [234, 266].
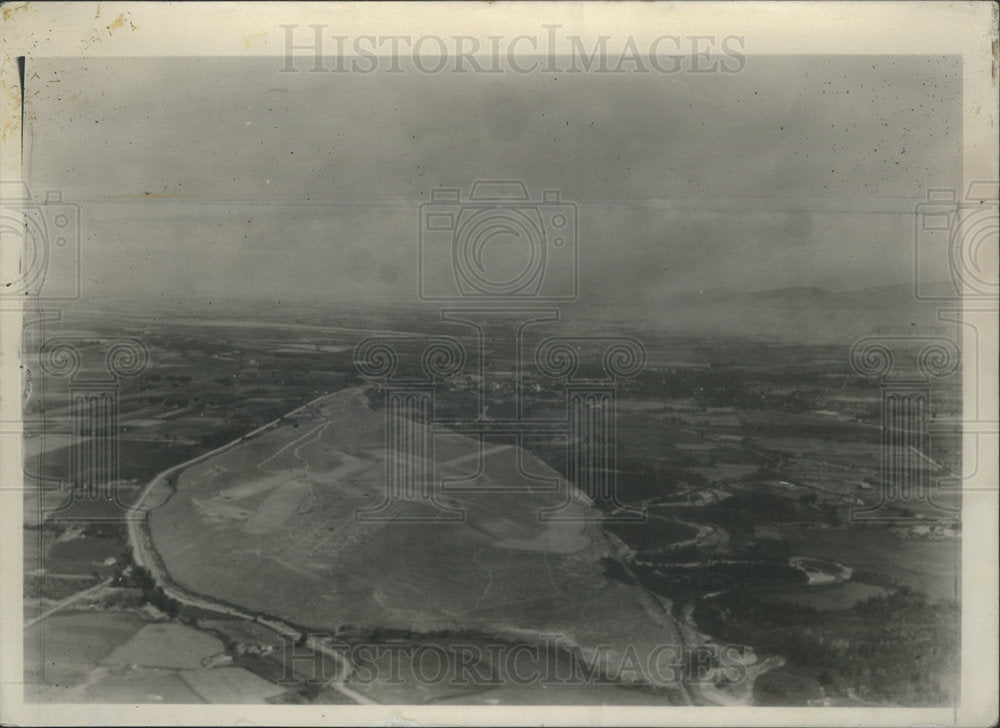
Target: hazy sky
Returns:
[224, 177]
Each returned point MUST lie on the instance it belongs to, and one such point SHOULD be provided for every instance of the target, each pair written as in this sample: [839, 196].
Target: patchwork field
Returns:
[120, 657]
[230, 685]
[167, 645]
[63, 649]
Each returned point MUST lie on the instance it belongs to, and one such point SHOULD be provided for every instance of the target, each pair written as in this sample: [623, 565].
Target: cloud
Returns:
[222, 176]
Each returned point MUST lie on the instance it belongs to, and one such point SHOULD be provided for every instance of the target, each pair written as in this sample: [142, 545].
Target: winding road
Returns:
[137, 518]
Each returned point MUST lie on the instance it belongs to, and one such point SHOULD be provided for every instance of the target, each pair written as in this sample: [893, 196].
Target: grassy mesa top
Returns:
[270, 525]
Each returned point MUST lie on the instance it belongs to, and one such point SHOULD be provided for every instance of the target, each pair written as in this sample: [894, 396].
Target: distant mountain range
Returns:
[807, 315]
[802, 314]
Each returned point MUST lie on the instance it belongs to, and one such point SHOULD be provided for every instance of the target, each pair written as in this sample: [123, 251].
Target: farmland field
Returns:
[741, 466]
[930, 566]
[64, 648]
[230, 685]
[166, 645]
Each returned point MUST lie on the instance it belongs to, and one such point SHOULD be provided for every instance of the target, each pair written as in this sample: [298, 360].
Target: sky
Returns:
[223, 177]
